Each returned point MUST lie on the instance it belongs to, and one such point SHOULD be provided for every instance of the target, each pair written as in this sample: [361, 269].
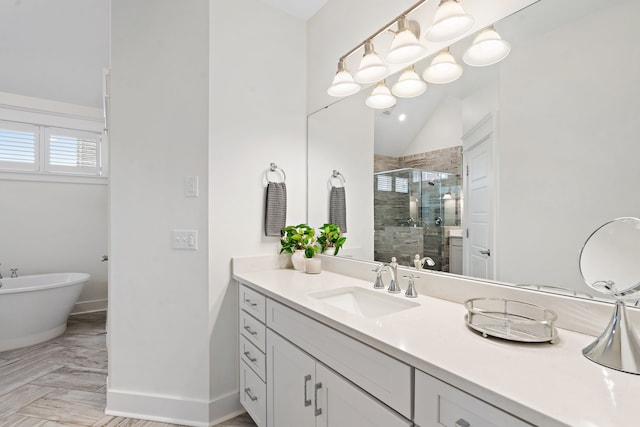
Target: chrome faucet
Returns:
[378, 284]
[14, 273]
[394, 288]
[411, 288]
[427, 262]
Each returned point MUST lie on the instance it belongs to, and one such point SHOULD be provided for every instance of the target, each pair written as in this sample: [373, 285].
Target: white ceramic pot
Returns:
[297, 259]
[312, 265]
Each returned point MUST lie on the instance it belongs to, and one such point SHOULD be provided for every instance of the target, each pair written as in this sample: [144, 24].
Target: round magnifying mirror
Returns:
[609, 264]
[610, 258]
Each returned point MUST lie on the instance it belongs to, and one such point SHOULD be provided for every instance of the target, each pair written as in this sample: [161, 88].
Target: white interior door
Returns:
[478, 247]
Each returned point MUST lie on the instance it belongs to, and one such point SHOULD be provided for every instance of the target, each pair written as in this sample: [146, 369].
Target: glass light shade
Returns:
[488, 48]
[372, 69]
[405, 46]
[409, 84]
[443, 69]
[381, 97]
[343, 83]
[450, 21]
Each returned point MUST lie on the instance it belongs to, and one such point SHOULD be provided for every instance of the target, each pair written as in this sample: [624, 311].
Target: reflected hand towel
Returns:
[275, 216]
[338, 208]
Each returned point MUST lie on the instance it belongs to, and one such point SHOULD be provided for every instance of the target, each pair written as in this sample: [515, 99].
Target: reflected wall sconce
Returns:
[449, 23]
[409, 84]
[443, 69]
[488, 48]
[381, 97]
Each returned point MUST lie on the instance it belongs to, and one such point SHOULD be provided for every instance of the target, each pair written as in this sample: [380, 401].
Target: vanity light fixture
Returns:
[443, 69]
[488, 48]
[409, 84]
[343, 83]
[405, 46]
[381, 97]
[372, 69]
[449, 22]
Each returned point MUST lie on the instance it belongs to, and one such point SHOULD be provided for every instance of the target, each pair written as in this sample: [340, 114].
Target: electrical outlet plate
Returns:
[185, 239]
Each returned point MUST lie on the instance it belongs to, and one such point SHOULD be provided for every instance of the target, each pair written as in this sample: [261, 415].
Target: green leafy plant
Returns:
[331, 237]
[299, 237]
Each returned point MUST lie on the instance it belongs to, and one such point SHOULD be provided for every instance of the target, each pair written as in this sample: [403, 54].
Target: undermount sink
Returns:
[364, 302]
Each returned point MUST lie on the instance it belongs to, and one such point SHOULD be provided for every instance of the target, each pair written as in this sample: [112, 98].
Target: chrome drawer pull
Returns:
[307, 402]
[251, 396]
[252, 304]
[248, 329]
[462, 423]
[315, 399]
[251, 359]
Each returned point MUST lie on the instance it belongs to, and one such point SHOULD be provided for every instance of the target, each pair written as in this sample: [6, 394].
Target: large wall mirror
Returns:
[561, 113]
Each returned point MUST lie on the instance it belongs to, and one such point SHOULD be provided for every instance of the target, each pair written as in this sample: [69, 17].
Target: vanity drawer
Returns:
[382, 376]
[253, 357]
[253, 395]
[252, 302]
[439, 404]
[253, 330]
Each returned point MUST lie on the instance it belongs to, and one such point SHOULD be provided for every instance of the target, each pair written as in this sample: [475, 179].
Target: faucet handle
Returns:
[14, 272]
[411, 288]
[378, 284]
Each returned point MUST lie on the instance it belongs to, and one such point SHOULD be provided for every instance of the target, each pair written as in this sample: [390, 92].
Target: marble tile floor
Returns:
[61, 382]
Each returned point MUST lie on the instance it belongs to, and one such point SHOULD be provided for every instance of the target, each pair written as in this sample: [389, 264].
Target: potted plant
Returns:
[299, 241]
[331, 238]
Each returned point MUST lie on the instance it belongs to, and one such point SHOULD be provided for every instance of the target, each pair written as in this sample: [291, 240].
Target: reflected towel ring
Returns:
[274, 168]
[337, 175]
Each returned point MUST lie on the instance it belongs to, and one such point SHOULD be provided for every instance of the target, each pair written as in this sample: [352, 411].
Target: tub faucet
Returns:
[14, 273]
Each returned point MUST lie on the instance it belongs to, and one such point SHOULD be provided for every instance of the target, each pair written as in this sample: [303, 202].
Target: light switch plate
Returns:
[185, 239]
[191, 186]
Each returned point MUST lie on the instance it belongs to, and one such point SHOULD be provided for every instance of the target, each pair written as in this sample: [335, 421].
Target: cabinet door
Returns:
[290, 384]
[342, 404]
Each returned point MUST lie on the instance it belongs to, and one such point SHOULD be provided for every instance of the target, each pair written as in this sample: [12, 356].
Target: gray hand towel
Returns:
[275, 213]
[338, 208]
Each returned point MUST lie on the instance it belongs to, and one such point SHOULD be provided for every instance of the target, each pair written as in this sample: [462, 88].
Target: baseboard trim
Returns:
[173, 410]
[89, 306]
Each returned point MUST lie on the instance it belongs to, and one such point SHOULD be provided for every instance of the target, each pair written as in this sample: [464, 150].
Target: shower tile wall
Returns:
[402, 242]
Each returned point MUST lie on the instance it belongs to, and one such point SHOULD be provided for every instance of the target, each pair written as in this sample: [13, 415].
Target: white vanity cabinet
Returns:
[439, 404]
[303, 392]
[253, 388]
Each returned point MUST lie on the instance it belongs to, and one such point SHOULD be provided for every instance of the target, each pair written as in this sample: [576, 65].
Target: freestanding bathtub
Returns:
[35, 308]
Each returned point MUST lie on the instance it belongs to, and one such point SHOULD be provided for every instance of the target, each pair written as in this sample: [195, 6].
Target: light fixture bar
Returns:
[384, 28]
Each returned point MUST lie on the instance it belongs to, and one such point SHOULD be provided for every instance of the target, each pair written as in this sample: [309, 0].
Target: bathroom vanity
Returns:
[328, 350]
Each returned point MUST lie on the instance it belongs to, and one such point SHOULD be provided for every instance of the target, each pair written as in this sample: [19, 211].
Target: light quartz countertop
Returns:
[544, 384]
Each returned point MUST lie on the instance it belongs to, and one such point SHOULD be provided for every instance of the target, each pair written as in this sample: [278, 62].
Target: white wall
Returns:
[55, 49]
[442, 130]
[591, 147]
[257, 116]
[158, 296]
[192, 94]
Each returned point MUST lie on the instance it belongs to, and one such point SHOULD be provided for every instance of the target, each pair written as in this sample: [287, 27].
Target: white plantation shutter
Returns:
[72, 151]
[19, 146]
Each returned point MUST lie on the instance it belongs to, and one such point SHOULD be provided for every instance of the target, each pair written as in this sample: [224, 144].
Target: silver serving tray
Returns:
[511, 320]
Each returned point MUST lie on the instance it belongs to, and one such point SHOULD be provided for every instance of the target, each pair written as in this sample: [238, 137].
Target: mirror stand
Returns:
[618, 347]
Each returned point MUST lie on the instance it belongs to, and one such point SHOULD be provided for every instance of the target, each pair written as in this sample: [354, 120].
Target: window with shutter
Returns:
[72, 151]
[19, 146]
